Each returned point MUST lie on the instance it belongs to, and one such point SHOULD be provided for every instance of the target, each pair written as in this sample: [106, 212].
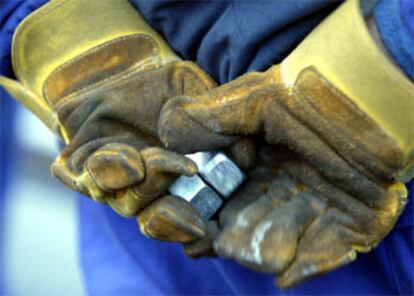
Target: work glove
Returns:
[334, 151]
[100, 86]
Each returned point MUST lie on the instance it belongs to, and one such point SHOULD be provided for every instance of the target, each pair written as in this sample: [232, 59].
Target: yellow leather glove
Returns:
[335, 119]
[98, 76]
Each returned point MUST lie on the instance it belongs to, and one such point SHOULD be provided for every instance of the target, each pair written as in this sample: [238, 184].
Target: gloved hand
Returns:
[335, 188]
[113, 139]
[101, 86]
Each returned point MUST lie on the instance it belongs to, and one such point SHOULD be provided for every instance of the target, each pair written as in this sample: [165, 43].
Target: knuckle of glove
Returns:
[181, 132]
[203, 247]
[116, 166]
[171, 219]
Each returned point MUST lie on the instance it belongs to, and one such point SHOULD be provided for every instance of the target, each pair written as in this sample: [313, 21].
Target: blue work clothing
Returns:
[227, 39]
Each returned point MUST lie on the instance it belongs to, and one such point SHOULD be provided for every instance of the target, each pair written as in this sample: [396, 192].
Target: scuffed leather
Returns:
[324, 186]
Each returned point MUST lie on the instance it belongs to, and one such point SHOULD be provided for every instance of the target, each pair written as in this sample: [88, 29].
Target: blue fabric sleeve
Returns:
[395, 22]
[229, 38]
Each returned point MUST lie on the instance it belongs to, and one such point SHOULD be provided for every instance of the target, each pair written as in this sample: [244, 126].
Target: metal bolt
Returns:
[218, 178]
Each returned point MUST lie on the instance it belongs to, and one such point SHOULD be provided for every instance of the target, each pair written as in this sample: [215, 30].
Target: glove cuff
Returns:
[343, 51]
[67, 45]
[62, 30]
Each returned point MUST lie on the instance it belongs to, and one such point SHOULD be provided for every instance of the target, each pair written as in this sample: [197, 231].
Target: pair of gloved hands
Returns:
[321, 173]
[317, 191]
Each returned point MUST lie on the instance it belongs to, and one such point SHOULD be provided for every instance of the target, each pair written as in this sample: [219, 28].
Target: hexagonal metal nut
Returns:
[218, 178]
[222, 174]
[194, 190]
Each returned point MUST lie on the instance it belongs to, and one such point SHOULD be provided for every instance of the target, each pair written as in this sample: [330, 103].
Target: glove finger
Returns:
[130, 201]
[326, 245]
[261, 179]
[116, 166]
[161, 168]
[204, 246]
[172, 219]
[233, 242]
[271, 244]
[243, 153]
[246, 195]
[276, 191]
[158, 160]
[202, 123]
[61, 171]
[80, 182]
[183, 133]
[125, 202]
[71, 169]
[134, 199]
[275, 239]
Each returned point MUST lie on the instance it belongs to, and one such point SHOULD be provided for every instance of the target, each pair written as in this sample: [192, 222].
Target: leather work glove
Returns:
[328, 182]
[100, 86]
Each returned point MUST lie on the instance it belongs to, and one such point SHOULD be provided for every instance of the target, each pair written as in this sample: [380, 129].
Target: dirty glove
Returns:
[328, 104]
[100, 86]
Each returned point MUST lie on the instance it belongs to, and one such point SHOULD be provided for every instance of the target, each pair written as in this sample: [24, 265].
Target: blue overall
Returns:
[227, 39]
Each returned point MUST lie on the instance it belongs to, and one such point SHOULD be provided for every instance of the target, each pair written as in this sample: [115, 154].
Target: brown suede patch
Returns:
[100, 63]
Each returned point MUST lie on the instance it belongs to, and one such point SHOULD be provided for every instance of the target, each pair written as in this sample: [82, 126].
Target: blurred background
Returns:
[39, 253]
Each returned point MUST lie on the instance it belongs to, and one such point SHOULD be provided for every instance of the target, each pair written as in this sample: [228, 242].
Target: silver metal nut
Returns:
[201, 159]
[218, 178]
[222, 174]
[194, 190]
